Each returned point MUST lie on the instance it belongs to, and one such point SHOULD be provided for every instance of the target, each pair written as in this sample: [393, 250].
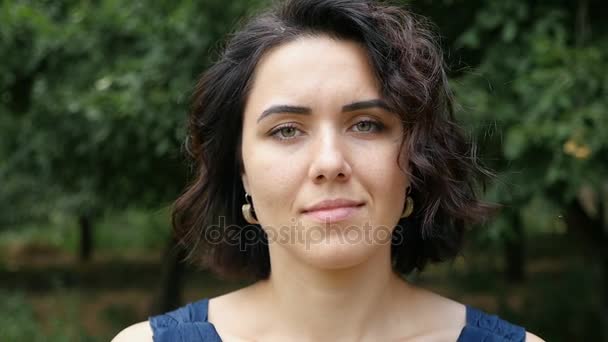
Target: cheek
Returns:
[274, 179]
[383, 178]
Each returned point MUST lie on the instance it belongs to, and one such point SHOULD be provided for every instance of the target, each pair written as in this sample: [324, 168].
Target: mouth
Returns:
[333, 214]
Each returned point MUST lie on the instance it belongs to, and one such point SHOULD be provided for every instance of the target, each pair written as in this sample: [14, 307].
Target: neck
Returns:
[333, 304]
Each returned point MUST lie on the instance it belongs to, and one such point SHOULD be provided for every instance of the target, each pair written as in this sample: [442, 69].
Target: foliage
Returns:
[18, 318]
[20, 322]
[93, 97]
[93, 100]
[119, 233]
[538, 101]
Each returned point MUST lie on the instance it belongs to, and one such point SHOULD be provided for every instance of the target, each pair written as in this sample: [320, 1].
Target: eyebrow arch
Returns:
[376, 103]
[285, 109]
[277, 109]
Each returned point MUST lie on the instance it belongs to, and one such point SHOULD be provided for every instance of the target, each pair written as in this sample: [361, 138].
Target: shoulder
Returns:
[435, 308]
[530, 337]
[236, 313]
[449, 309]
[138, 332]
[430, 316]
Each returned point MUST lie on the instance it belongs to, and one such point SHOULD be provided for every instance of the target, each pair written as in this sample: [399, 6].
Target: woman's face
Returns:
[315, 129]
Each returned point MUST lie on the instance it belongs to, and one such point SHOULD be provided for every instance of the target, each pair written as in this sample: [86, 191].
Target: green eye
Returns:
[364, 126]
[368, 126]
[285, 132]
[290, 131]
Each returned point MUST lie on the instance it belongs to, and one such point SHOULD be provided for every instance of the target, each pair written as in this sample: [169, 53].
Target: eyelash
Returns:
[379, 128]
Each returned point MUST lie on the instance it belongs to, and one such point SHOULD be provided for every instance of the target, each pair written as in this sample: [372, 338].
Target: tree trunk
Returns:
[86, 238]
[169, 294]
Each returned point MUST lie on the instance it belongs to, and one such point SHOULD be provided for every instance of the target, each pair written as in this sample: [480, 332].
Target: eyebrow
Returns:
[281, 109]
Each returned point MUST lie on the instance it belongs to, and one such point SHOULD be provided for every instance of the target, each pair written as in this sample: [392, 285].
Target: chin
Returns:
[334, 254]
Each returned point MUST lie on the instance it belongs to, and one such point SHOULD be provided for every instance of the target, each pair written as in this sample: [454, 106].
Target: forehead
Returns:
[313, 70]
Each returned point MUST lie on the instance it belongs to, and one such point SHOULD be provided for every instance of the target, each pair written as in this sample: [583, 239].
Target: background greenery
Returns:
[93, 97]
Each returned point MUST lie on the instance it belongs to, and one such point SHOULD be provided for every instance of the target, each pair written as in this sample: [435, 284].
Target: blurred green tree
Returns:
[93, 103]
[537, 102]
[93, 98]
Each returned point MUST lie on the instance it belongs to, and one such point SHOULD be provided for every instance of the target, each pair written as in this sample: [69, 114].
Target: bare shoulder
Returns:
[236, 314]
[138, 332]
[530, 337]
[435, 317]
[453, 309]
[435, 304]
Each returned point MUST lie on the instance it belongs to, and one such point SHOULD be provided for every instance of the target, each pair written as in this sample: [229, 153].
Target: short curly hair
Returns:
[407, 61]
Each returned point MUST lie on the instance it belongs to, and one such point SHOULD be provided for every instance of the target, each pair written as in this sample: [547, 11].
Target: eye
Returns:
[284, 132]
[367, 126]
[289, 131]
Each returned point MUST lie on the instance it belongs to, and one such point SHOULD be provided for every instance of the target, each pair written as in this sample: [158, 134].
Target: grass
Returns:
[115, 233]
[28, 317]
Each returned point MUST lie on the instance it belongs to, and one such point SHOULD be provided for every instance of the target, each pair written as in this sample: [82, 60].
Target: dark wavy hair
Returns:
[407, 61]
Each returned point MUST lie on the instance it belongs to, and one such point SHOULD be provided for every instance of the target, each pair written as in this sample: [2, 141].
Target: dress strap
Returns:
[489, 328]
[188, 323]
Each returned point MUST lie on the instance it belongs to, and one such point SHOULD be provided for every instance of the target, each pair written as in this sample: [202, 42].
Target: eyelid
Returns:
[380, 127]
[274, 132]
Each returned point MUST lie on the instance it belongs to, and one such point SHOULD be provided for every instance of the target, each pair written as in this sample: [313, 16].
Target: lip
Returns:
[333, 210]
[332, 204]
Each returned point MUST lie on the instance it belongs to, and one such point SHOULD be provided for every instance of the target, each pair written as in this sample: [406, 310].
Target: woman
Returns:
[328, 167]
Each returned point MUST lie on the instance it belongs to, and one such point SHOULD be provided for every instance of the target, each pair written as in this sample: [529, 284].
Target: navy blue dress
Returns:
[189, 323]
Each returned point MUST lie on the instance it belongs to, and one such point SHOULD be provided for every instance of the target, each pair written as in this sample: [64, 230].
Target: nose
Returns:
[329, 161]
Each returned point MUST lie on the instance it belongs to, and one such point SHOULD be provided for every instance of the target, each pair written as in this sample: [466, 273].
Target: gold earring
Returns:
[409, 207]
[248, 211]
[409, 204]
